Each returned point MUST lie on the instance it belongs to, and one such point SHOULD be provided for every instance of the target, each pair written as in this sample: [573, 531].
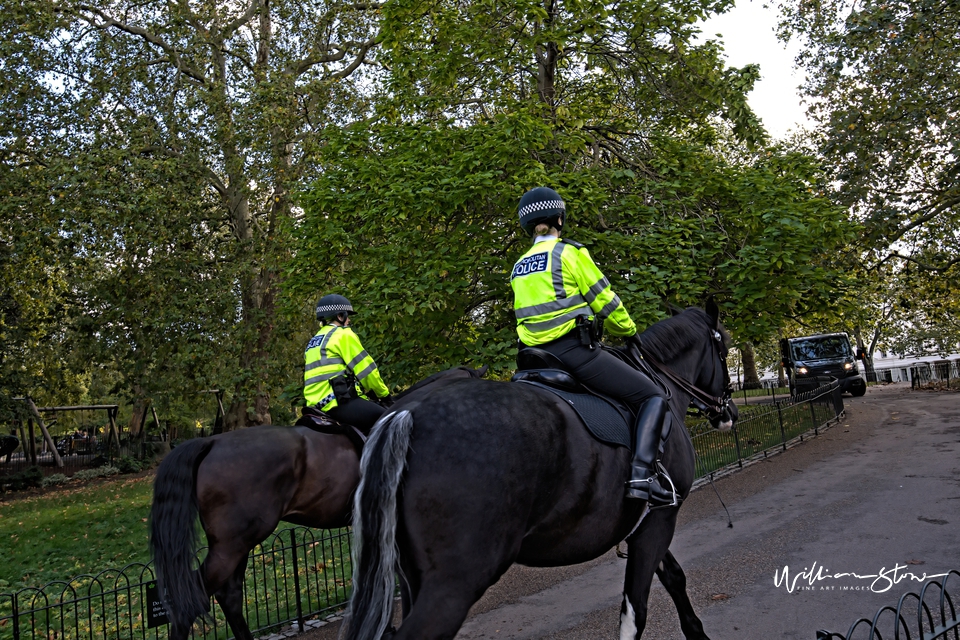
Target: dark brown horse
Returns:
[241, 484]
[461, 481]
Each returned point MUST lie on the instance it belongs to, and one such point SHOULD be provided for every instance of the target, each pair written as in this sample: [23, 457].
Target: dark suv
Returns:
[826, 355]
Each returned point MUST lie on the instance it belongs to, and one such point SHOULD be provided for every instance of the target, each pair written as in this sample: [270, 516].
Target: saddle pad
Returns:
[604, 421]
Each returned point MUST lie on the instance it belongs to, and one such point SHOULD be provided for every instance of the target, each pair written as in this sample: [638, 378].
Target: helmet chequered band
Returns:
[543, 205]
[334, 307]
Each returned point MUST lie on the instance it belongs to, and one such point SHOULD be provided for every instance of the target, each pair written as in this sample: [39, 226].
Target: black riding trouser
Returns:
[602, 371]
[358, 412]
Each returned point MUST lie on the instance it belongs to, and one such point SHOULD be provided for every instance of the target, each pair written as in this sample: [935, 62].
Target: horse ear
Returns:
[672, 309]
[713, 311]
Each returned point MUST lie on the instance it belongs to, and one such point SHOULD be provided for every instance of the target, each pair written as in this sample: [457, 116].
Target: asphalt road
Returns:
[877, 495]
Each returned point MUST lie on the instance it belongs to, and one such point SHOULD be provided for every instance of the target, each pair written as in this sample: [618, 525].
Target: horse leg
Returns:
[230, 599]
[440, 608]
[646, 548]
[675, 582]
[223, 570]
[179, 631]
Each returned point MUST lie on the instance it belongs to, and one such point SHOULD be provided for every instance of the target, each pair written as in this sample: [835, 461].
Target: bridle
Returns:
[715, 407]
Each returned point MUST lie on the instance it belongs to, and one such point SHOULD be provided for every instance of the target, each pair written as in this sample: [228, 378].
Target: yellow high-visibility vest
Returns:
[554, 283]
[332, 352]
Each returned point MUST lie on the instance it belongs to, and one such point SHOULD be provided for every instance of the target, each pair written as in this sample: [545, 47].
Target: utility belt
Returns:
[588, 332]
[344, 387]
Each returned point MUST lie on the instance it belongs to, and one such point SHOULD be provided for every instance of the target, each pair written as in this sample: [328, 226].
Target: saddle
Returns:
[318, 421]
[607, 420]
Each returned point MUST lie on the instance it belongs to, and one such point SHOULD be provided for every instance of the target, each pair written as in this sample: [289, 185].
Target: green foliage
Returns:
[128, 464]
[92, 474]
[54, 480]
[885, 102]
[153, 173]
[424, 249]
[29, 478]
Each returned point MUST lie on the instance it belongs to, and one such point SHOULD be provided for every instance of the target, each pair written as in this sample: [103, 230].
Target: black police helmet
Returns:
[332, 305]
[542, 204]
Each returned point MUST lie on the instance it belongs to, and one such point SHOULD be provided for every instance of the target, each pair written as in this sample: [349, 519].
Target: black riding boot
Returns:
[652, 427]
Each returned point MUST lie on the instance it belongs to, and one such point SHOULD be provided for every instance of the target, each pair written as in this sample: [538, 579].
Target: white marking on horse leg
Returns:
[726, 425]
[628, 620]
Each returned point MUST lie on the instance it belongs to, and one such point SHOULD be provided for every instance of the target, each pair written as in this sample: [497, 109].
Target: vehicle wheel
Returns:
[858, 390]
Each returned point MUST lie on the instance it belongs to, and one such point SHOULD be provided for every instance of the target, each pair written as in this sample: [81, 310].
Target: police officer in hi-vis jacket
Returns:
[334, 359]
[556, 288]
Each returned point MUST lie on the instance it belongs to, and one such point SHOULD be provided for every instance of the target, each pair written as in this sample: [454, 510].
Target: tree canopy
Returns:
[883, 83]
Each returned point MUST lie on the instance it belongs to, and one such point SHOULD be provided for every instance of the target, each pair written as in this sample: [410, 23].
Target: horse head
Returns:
[723, 415]
[695, 345]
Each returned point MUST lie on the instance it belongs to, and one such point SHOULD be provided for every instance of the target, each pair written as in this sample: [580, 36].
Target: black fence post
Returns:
[813, 416]
[783, 433]
[736, 441]
[16, 618]
[296, 581]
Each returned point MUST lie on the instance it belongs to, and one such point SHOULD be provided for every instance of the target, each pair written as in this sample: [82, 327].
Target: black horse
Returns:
[461, 482]
[240, 485]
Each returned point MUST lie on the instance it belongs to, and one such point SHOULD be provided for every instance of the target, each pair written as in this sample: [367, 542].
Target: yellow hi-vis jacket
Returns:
[330, 353]
[555, 282]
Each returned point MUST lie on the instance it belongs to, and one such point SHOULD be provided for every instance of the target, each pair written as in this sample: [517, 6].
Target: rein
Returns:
[715, 404]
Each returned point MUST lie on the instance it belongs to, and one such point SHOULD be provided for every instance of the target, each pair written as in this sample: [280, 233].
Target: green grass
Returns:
[73, 531]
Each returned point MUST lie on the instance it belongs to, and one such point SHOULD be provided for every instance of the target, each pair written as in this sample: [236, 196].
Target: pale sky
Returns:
[749, 37]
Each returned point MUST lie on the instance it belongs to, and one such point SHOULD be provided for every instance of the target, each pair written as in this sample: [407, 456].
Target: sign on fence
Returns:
[156, 612]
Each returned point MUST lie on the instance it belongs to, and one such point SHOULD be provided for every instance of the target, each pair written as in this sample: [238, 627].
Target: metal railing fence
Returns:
[930, 614]
[295, 574]
[937, 373]
[764, 428]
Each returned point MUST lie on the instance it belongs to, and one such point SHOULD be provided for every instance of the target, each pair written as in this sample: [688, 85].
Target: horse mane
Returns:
[670, 338]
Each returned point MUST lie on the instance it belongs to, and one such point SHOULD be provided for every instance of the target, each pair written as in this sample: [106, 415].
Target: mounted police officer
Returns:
[334, 362]
[558, 290]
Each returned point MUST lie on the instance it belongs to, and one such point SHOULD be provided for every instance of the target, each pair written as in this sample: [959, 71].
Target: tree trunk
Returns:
[139, 414]
[867, 355]
[750, 378]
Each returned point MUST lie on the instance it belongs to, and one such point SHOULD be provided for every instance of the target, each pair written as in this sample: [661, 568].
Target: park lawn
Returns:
[65, 533]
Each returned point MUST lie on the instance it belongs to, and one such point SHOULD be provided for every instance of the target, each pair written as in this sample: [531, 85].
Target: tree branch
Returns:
[108, 22]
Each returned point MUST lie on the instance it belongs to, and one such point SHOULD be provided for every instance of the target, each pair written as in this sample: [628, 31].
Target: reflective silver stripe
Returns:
[357, 360]
[322, 377]
[597, 289]
[557, 269]
[559, 320]
[367, 371]
[325, 342]
[610, 307]
[323, 362]
[548, 307]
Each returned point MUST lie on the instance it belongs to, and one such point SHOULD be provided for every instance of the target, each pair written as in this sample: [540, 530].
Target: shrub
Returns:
[29, 477]
[128, 464]
[54, 480]
[99, 472]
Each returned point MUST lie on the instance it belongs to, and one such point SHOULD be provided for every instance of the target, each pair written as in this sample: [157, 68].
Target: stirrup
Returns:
[661, 472]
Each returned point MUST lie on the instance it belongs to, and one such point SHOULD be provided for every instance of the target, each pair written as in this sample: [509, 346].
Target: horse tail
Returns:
[375, 526]
[173, 532]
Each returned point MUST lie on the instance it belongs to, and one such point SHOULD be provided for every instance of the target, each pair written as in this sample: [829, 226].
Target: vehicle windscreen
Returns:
[826, 348]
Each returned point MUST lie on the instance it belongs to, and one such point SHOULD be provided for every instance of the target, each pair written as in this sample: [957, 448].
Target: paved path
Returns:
[881, 490]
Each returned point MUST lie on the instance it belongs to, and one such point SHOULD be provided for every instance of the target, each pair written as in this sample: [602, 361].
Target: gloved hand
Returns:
[386, 402]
